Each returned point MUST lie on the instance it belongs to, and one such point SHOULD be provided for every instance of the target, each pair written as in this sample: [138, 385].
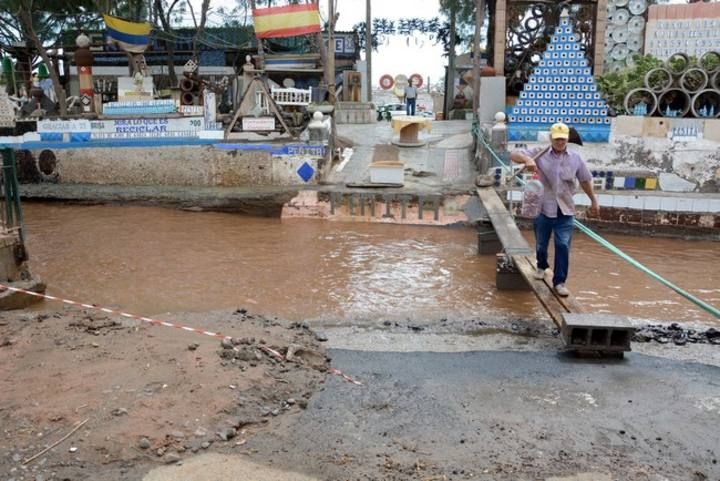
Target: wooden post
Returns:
[450, 77]
[368, 49]
[479, 21]
[261, 52]
[331, 52]
[500, 32]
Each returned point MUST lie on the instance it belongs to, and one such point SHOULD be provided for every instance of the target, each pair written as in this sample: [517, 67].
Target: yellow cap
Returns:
[559, 131]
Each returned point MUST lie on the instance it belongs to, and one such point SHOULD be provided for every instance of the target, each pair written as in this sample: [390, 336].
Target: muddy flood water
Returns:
[152, 260]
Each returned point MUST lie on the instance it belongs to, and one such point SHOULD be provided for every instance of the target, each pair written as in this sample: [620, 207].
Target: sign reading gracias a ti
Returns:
[258, 124]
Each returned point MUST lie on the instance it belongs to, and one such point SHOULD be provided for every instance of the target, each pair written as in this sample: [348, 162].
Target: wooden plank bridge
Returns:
[516, 263]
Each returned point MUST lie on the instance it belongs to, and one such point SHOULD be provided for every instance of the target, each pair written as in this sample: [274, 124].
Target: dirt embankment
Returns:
[147, 395]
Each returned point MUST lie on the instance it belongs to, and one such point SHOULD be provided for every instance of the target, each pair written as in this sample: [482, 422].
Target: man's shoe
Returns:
[539, 274]
[561, 290]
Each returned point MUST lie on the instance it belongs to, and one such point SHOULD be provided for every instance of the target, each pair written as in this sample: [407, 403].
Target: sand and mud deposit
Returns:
[143, 394]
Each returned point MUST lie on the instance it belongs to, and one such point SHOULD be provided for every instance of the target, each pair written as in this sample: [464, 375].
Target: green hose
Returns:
[603, 242]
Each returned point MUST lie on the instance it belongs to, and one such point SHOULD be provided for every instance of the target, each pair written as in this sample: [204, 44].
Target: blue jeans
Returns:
[410, 106]
[562, 226]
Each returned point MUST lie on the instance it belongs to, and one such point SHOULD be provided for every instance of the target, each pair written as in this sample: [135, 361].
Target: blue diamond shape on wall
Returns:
[306, 171]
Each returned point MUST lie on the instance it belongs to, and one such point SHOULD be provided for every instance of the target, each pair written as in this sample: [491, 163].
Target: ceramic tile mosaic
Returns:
[561, 89]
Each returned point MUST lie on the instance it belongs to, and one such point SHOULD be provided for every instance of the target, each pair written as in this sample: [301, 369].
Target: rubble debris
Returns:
[664, 334]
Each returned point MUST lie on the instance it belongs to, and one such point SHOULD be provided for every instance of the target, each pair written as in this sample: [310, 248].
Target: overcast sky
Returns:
[398, 54]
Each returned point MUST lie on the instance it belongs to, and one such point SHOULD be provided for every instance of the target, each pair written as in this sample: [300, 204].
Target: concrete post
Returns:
[498, 142]
[488, 240]
[317, 129]
[507, 275]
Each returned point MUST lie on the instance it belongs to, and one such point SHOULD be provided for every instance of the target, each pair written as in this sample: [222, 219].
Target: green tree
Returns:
[28, 28]
[134, 10]
[461, 14]
[615, 86]
[199, 28]
[165, 12]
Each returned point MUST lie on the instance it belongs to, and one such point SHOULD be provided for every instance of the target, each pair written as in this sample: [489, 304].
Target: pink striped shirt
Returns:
[558, 172]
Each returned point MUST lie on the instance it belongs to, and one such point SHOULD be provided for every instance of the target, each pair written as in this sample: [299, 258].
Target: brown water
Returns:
[152, 260]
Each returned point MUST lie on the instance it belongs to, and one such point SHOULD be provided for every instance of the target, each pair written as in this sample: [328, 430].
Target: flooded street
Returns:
[152, 260]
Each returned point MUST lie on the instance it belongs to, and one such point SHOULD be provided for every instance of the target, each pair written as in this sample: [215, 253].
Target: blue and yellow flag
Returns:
[132, 37]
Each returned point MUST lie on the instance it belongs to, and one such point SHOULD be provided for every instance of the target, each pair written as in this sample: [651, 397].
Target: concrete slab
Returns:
[712, 130]
[10, 300]
[583, 477]
[629, 125]
[219, 466]
[597, 332]
[504, 416]
[427, 167]
[674, 183]
[655, 127]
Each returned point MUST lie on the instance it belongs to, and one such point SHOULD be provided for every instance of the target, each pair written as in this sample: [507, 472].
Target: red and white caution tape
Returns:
[156, 322]
[332, 370]
[337, 372]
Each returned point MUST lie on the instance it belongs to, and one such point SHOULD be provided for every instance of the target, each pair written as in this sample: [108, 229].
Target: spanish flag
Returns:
[130, 36]
[286, 21]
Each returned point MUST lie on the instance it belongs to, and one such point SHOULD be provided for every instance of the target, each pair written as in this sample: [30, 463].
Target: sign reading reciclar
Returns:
[150, 127]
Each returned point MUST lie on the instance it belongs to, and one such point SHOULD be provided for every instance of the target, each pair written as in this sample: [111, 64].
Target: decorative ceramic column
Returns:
[83, 61]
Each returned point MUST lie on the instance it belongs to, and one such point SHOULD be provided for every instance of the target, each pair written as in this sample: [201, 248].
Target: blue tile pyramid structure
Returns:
[561, 89]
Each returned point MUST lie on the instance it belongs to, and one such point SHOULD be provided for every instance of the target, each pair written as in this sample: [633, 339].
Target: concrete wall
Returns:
[191, 165]
[652, 146]
[355, 113]
[9, 266]
[649, 144]
[644, 217]
[490, 102]
[387, 208]
[15, 273]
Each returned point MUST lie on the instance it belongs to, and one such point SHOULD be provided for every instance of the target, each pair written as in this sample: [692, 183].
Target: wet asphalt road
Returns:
[505, 415]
